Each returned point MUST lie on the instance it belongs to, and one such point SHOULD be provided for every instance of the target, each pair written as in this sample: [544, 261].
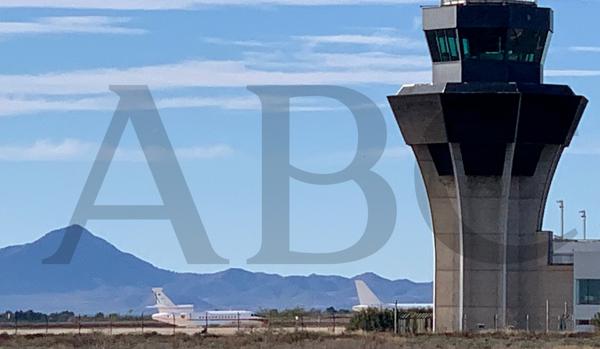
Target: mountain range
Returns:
[102, 278]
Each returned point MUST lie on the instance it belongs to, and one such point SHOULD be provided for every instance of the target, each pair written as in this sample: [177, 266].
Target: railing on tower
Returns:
[465, 2]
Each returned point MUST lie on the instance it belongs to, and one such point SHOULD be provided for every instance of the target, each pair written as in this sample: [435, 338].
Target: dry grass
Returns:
[301, 340]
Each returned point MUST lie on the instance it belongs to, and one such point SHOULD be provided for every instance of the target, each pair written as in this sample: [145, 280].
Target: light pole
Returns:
[584, 218]
[561, 205]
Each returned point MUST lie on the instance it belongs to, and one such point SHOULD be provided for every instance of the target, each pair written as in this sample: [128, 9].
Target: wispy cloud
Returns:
[573, 73]
[46, 150]
[217, 151]
[210, 152]
[241, 43]
[18, 106]
[196, 73]
[77, 150]
[308, 60]
[378, 60]
[230, 103]
[189, 4]
[372, 40]
[14, 107]
[595, 49]
[70, 24]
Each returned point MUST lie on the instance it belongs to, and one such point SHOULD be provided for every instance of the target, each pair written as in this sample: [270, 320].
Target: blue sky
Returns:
[198, 56]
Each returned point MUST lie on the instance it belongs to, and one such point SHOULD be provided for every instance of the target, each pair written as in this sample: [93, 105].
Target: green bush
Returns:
[372, 320]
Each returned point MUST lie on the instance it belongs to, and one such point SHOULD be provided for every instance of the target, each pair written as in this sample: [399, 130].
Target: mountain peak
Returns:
[102, 278]
[94, 262]
[59, 234]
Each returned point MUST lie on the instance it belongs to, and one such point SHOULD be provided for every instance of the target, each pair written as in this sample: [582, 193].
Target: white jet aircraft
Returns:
[184, 315]
[368, 300]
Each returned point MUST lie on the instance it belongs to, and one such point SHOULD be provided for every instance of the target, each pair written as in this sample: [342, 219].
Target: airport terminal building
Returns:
[488, 135]
[584, 258]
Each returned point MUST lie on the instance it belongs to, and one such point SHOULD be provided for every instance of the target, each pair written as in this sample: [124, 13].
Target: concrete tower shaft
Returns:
[488, 135]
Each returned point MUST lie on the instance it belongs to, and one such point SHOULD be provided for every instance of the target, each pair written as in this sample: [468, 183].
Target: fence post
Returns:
[206, 322]
[16, 323]
[396, 318]
[142, 322]
[46, 315]
[547, 315]
[174, 325]
[496, 322]
[334, 322]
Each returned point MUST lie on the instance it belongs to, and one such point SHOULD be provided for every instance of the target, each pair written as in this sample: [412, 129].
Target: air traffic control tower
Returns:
[488, 135]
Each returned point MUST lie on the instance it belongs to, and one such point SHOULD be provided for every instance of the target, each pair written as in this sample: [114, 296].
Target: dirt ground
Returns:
[303, 340]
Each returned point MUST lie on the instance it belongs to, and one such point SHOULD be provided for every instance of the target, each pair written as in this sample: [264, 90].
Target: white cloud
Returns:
[189, 4]
[45, 150]
[378, 60]
[296, 62]
[17, 106]
[218, 151]
[355, 39]
[242, 43]
[78, 150]
[13, 107]
[210, 152]
[70, 24]
[595, 49]
[573, 73]
[194, 74]
[231, 103]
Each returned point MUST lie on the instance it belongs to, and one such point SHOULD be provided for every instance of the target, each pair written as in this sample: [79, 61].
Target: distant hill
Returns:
[102, 278]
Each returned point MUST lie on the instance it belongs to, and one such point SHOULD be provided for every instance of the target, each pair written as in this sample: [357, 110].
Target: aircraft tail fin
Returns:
[165, 305]
[162, 301]
[365, 295]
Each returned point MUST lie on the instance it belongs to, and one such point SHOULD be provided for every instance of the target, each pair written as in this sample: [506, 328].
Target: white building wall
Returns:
[586, 266]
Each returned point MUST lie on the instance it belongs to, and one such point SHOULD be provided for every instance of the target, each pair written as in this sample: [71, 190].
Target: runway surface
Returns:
[218, 331]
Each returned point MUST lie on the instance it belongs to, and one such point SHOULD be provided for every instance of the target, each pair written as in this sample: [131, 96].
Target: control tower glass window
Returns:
[499, 44]
[483, 43]
[526, 45]
[443, 45]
